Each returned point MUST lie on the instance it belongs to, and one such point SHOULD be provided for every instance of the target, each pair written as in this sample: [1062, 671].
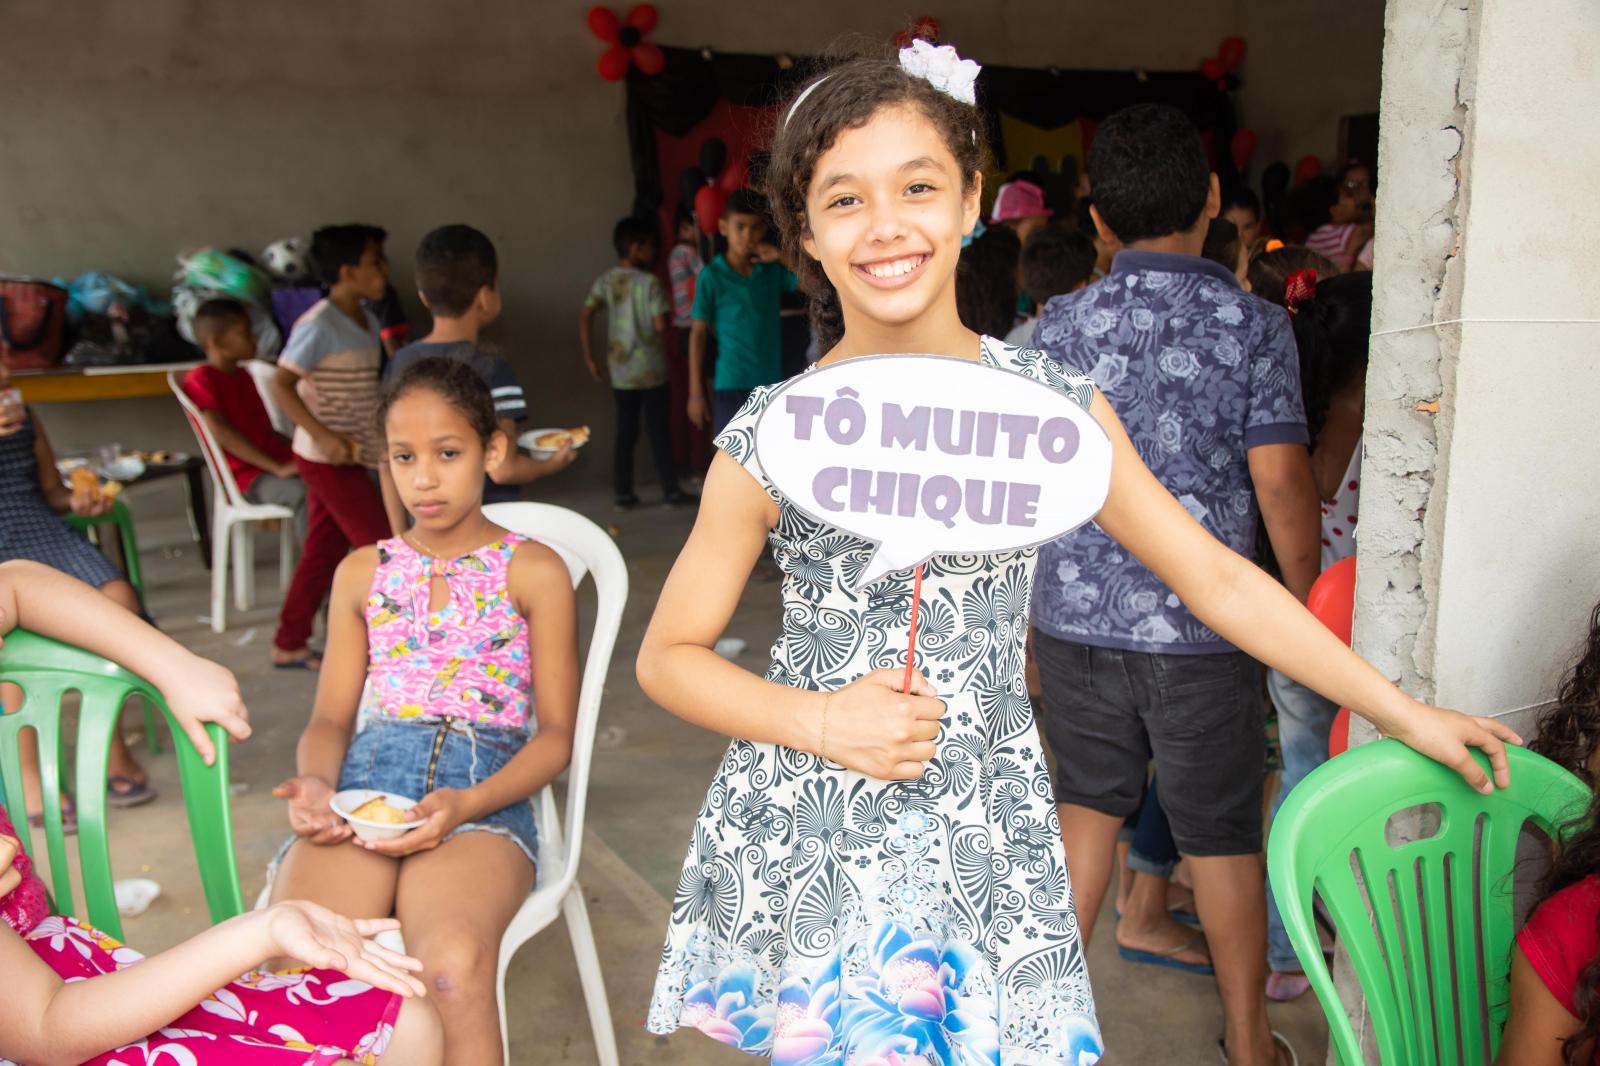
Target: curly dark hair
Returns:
[1569, 732]
[1148, 170]
[986, 282]
[846, 97]
[454, 382]
[1331, 331]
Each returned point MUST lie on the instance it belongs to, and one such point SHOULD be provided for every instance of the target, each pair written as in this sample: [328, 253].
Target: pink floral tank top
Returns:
[470, 659]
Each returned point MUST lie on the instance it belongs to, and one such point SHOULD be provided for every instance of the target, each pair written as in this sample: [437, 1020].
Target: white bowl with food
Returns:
[543, 443]
[375, 814]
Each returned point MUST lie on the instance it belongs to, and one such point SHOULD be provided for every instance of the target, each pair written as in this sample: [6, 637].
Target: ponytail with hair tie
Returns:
[1298, 288]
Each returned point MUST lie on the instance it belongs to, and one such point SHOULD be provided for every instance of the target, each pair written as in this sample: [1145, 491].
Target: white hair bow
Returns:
[943, 68]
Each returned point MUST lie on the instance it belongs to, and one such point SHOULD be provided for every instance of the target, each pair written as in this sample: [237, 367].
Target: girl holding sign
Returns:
[877, 874]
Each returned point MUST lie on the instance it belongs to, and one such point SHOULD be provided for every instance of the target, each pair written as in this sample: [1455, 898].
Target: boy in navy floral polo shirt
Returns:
[1207, 382]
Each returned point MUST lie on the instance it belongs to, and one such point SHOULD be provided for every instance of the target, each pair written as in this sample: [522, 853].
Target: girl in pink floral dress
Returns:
[73, 994]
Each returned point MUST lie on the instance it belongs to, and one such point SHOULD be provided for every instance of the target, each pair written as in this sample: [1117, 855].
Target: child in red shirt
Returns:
[260, 459]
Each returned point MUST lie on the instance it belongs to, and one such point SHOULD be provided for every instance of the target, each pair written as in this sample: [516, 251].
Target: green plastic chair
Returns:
[46, 670]
[121, 517]
[1428, 924]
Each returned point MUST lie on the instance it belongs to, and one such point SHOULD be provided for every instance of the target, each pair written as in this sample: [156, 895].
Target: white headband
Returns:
[938, 65]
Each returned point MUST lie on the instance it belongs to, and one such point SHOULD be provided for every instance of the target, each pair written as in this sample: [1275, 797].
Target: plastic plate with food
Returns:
[373, 814]
[543, 443]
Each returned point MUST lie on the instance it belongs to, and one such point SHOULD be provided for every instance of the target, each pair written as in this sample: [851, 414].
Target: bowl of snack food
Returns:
[374, 815]
[543, 443]
[83, 479]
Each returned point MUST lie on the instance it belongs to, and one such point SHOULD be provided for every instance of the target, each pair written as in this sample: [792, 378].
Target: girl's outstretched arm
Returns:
[51, 603]
[47, 1021]
[868, 725]
[1252, 611]
[327, 736]
[541, 588]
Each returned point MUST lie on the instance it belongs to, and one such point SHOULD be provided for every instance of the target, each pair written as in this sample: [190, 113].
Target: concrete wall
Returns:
[135, 130]
[1476, 541]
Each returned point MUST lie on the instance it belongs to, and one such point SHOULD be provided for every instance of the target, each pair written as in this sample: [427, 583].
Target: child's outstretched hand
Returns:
[1445, 737]
[328, 941]
[208, 693]
[311, 810]
[875, 728]
[442, 809]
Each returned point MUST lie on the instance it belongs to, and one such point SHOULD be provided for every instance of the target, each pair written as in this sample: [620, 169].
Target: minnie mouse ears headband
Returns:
[938, 65]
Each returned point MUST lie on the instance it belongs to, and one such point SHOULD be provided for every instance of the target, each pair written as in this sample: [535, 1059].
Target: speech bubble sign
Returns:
[928, 455]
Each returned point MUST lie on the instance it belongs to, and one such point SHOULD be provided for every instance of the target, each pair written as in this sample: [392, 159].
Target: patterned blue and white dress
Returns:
[828, 918]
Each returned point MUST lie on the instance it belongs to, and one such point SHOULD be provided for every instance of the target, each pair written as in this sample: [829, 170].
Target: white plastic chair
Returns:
[231, 515]
[586, 548]
[263, 372]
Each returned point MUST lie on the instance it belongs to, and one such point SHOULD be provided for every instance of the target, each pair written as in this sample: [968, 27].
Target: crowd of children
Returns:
[878, 873]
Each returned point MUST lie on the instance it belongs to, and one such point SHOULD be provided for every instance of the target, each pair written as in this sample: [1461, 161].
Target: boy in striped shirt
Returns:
[458, 279]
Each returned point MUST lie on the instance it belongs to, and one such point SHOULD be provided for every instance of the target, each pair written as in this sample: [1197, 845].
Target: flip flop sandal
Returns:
[69, 819]
[1277, 1037]
[1166, 958]
[1191, 920]
[123, 792]
[302, 663]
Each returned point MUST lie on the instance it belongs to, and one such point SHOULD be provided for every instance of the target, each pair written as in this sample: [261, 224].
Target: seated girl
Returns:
[74, 994]
[33, 498]
[451, 644]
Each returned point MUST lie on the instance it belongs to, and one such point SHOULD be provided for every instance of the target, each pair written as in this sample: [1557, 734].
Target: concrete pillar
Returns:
[1479, 542]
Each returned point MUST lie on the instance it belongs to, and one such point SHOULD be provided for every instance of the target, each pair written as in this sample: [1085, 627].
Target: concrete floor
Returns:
[650, 773]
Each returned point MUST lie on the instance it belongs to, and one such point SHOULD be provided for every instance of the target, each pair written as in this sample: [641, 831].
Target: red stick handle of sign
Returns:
[911, 654]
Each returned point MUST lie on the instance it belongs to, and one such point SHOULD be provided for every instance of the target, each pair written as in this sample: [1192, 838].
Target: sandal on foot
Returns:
[1167, 958]
[1284, 986]
[1277, 1038]
[310, 661]
[123, 791]
[69, 818]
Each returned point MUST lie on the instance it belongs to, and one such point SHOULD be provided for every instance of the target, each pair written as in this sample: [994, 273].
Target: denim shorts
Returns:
[1201, 718]
[414, 756]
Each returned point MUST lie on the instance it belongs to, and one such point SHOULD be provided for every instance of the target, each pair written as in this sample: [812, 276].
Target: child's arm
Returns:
[698, 412]
[586, 340]
[1281, 474]
[197, 690]
[237, 444]
[519, 468]
[284, 384]
[88, 502]
[48, 1021]
[327, 736]
[869, 725]
[1237, 599]
[1538, 1023]
[541, 588]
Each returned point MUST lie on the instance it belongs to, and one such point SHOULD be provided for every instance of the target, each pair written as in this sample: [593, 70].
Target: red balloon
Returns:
[1212, 69]
[604, 25]
[708, 208]
[643, 18]
[1333, 598]
[735, 176]
[1231, 52]
[1242, 148]
[649, 59]
[613, 63]
[1308, 169]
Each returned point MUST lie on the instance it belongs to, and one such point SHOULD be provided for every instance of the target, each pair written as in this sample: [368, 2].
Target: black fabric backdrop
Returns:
[683, 94]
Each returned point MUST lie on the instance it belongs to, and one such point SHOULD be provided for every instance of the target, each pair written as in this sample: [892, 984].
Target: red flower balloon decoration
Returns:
[925, 28]
[626, 38]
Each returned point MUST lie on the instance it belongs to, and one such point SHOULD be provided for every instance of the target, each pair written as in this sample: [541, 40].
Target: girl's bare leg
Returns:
[455, 930]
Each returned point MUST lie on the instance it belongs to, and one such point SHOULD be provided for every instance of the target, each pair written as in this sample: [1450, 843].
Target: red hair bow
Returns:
[1298, 288]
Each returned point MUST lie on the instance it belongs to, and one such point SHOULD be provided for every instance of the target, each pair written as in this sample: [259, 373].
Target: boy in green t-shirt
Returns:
[636, 323]
[736, 296]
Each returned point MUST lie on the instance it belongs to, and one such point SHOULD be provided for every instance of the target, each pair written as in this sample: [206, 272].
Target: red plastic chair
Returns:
[1333, 600]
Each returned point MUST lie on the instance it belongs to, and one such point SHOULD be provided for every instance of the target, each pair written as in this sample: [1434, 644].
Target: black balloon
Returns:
[1274, 181]
[713, 155]
[689, 183]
